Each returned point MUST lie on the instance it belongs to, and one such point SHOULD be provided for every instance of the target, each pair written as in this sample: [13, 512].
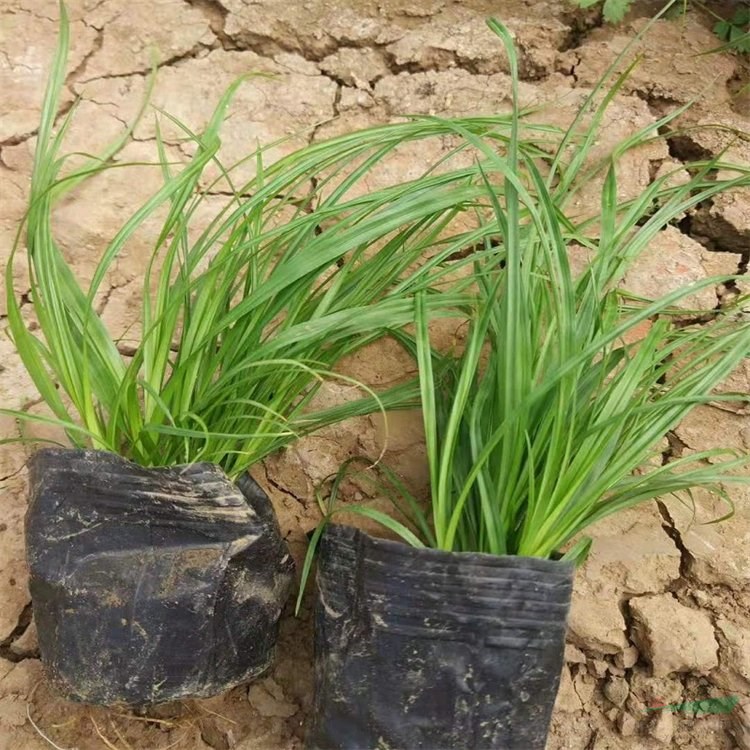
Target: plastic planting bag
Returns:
[150, 585]
[420, 648]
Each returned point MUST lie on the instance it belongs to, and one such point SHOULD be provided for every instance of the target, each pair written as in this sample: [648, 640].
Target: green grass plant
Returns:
[243, 322]
[551, 417]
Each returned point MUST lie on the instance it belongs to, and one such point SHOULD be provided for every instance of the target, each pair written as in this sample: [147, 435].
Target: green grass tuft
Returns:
[243, 322]
[551, 416]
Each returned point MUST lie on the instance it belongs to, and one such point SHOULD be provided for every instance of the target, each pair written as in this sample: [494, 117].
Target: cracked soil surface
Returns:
[662, 608]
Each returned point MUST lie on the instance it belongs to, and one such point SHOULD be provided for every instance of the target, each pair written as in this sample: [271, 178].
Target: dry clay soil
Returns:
[661, 609]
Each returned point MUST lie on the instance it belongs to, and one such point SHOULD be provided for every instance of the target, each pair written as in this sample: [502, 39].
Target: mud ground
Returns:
[661, 609]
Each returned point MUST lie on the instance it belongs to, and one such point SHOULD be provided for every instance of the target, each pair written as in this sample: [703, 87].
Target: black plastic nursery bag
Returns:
[151, 584]
[420, 648]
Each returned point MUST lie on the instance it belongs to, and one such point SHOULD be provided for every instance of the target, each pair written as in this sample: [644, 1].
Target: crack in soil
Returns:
[107, 106]
[580, 25]
[575, 690]
[659, 106]
[267, 46]
[174, 61]
[5, 164]
[216, 15]
[683, 148]
[81, 67]
[334, 106]
[671, 530]
[15, 473]
[675, 450]
[16, 140]
[718, 234]
[28, 12]
[573, 68]
[127, 350]
[108, 294]
[6, 647]
[280, 488]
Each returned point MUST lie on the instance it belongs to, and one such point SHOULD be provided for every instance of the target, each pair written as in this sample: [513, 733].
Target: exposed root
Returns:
[40, 732]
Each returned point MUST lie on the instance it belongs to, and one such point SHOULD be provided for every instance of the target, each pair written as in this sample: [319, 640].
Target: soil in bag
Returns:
[420, 648]
[150, 585]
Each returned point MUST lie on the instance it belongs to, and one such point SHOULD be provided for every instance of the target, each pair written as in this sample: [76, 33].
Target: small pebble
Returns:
[598, 667]
[661, 728]
[627, 658]
[626, 724]
[616, 690]
[574, 655]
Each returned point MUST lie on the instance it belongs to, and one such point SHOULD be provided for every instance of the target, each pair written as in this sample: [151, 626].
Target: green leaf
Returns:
[615, 10]
[312, 549]
[722, 29]
[578, 553]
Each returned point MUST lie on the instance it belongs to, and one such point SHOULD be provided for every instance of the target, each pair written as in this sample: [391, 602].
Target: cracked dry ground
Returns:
[661, 609]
